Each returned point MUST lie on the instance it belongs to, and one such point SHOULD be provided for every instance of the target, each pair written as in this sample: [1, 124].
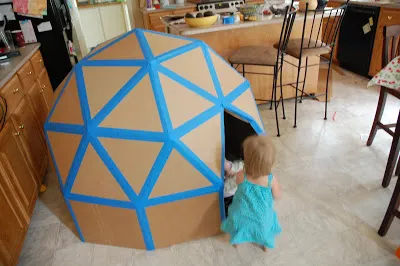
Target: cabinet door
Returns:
[45, 88]
[17, 168]
[37, 63]
[91, 26]
[39, 104]
[26, 75]
[12, 226]
[31, 138]
[113, 20]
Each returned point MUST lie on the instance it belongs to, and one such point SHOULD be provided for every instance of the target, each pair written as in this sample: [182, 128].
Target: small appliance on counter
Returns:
[7, 48]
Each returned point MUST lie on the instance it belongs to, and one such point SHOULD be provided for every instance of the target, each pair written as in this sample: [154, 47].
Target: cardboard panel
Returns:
[205, 141]
[108, 225]
[94, 179]
[160, 44]
[198, 72]
[183, 104]
[245, 102]
[102, 83]
[64, 148]
[127, 48]
[137, 111]
[185, 220]
[133, 158]
[178, 175]
[63, 113]
[228, 77]
[101, 45]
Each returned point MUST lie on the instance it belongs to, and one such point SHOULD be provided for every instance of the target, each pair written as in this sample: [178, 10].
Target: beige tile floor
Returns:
[332, 205]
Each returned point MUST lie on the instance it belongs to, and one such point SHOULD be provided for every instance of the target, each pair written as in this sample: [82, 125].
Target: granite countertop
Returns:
[378, 3]
[185, 30]
[170, 8]
[8, 69]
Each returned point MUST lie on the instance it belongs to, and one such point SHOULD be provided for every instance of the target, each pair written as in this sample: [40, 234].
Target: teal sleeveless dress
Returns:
[251, 215]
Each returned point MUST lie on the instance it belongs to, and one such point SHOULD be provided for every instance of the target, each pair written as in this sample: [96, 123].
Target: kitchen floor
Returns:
[330, 212]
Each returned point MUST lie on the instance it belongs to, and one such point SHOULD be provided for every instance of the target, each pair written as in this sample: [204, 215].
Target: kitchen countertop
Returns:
[8, 69]
[185, 30]
[172, 7]
[381, 3]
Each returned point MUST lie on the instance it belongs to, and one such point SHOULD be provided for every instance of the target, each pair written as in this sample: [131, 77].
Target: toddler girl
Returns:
[251, 216]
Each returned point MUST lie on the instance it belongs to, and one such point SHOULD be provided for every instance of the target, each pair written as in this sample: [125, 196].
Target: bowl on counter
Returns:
[201, 22]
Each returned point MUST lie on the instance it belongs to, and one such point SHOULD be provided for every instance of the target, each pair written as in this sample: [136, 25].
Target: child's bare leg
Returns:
[234, 245]
[264, 248]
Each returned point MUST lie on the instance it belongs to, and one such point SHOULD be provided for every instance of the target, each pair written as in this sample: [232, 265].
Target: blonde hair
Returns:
[259, 155]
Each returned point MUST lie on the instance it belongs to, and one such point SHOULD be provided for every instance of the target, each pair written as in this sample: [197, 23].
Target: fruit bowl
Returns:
[201, 22]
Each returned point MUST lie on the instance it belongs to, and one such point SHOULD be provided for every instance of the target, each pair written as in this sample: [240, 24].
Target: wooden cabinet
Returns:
[23, 153]
[12, 229]
[152, 19]
[387, 17]
[31, 136]
[18, 170]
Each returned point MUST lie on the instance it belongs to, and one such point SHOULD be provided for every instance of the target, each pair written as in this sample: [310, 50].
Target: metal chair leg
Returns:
[275, 101]
[243, 71]
[297, 90]
[327, 88]
[281, 80]
[304, 81]
[272, 96]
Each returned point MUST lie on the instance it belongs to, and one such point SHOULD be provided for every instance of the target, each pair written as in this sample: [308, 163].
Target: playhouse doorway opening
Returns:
[236, 131]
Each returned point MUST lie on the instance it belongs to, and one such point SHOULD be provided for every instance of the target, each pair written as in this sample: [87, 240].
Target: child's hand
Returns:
[276, 189]
[239, 177]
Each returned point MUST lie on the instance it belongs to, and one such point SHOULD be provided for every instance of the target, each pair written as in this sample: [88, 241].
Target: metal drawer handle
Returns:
[40, 61]
[44, 86]
[30, 73]
[17, 134]
[389, 17]
[15, 90]
[21, 126]
[41, 91]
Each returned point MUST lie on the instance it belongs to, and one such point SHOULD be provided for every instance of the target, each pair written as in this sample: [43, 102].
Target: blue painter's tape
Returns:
[54, 161]
[182, 195]
[82, 94]
[233, 95]
[177, 51]
[197, 121]
[59, 96]
[221, 190]
[75, 220]
[145, 228]
[246, 116]
[144, 45]
[101, 201]
[117, 98]
[160, 100]
[128, 134]
[113, 168]
[156, 170]
[76, 163]
[64, 128]
[211, 68]
[197, 163]
[111, 43]
[221, 203]
[186, 83]
[115, 63]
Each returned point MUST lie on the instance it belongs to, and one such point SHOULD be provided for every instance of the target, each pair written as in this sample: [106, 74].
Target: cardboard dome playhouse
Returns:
[138, 136]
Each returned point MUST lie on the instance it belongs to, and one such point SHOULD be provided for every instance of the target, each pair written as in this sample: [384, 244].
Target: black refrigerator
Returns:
[54, 43]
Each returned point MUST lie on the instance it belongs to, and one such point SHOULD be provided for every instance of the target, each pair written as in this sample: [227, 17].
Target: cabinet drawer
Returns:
[390, 16]
[155, 18]
[45, 88]
[183, 11]
[37, 63]
[26, 75]
[13, 94]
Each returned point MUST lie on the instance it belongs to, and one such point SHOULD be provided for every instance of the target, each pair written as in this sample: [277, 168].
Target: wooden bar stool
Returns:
[268, 57]
[391, 50]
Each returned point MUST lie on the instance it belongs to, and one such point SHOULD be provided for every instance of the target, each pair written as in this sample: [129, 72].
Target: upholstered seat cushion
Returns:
[254, 55]
[314, 48]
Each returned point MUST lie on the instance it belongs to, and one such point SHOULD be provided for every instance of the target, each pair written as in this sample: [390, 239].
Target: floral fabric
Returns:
[389, 76]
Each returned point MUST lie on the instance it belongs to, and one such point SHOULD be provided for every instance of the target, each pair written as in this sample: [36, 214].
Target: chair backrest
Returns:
[322, 36]
[287, 25]
[391, 43]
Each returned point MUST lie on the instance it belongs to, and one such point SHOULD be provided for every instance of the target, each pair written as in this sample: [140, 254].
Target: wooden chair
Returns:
[391, 50]
[321, 43]
[268, 57]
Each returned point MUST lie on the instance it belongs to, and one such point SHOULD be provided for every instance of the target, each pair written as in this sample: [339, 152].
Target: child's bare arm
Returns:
[239, 177]
[276, 189]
